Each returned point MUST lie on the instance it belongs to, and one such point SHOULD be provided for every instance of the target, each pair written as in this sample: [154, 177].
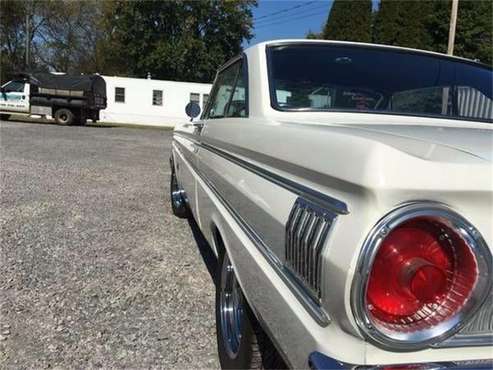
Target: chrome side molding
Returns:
[230, 153]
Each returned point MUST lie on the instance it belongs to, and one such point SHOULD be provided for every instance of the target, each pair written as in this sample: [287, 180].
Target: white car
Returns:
[347, 191]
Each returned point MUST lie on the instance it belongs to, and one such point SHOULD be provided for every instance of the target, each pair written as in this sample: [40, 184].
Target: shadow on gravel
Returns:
[44, 121]
[205, 249]
[99, 124]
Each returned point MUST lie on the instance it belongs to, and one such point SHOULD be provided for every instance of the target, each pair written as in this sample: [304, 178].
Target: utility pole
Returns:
[450, 51]
[453, 24]
[28, 37]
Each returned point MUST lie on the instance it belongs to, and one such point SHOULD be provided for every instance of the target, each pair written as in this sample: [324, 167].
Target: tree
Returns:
[425, 25]
[68, 39]
[63, 36]
[349, 21]
[12, 37]
[402, 23]
[177, 40]
[313, 35]
[474, 33]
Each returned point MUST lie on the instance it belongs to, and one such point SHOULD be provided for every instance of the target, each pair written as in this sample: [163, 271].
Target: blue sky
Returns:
[276, 19]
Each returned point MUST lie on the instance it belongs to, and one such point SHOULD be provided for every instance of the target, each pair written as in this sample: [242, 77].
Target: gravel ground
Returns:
[95, 271]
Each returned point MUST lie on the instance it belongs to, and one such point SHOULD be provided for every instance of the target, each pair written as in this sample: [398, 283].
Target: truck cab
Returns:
[14, 97]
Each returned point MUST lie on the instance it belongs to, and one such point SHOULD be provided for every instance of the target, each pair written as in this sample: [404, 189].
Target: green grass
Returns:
[27, 119]
[129, 125]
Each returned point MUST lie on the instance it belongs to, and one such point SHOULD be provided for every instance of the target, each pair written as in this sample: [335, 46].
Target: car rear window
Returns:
[354, 78]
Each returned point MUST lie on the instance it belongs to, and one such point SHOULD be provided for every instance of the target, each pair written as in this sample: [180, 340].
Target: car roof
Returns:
[264, 44]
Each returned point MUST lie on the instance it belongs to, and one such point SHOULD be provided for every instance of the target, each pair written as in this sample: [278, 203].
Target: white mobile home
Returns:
[151, 102]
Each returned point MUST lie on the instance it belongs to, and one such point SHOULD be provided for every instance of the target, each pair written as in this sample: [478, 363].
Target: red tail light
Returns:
[422, 272]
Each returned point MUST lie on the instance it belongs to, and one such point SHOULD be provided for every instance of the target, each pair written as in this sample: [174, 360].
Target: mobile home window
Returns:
[194, 97]
[120, 94]
[157, 97]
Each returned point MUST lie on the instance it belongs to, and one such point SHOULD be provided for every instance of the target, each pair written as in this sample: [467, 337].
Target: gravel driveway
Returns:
[95, 271]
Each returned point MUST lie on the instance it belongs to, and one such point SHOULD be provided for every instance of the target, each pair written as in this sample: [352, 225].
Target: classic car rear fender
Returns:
[270, 298]
[295, 330]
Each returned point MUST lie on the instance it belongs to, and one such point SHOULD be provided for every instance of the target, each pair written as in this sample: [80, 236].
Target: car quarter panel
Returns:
[266, 206]
[293, 329]
[368, 178]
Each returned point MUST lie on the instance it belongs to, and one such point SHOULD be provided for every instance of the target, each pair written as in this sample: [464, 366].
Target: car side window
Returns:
[223, 89]
[474, 92]
[435, 100]
[238, 104]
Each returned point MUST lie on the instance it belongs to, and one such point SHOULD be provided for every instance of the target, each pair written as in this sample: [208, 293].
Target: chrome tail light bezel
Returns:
[424, 338]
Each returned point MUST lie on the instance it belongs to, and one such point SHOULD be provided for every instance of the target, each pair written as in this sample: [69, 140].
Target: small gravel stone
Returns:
[96, 271]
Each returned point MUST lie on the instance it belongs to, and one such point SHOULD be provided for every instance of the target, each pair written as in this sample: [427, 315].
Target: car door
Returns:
[227, 102]
[227, 119]
[187, 138]
[14, 97]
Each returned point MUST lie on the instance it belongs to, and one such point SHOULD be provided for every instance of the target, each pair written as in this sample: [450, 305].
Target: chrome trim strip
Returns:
[460, 340]
[429, 337]
[303, 191]
[299, 291]
[319, 361]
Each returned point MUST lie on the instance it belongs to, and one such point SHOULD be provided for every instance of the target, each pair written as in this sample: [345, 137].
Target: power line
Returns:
[287, 20]
[285, 10]
[282, 16]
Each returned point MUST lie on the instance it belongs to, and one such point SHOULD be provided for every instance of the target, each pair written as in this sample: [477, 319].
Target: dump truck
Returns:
[68, 99]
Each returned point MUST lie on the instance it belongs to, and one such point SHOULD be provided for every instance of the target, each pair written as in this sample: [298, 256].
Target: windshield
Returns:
[14, 86]
[354, 78]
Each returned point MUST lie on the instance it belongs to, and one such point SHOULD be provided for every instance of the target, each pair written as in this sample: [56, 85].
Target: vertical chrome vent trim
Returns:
[306, 231]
